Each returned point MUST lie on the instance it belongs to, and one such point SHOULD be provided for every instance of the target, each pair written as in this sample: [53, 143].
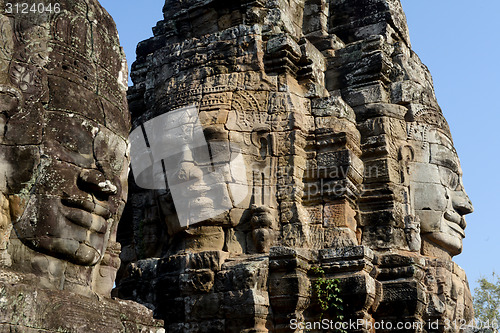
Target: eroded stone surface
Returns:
[348, 159]
[64, 162]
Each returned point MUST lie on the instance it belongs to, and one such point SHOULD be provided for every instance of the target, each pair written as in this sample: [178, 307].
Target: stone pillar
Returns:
[289, 286]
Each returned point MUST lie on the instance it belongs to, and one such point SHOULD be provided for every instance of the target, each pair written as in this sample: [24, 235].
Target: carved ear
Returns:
[259, 132]
[406, 155]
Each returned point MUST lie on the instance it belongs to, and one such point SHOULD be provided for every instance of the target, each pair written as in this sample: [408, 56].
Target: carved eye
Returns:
[69, 138]
[109, 151]
[449, 178]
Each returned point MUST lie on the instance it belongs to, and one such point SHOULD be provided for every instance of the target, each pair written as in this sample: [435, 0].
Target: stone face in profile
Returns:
[349, 166]
[436, 182]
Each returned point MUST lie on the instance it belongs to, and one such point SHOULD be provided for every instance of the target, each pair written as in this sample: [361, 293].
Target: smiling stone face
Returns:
[77, 194]
[63, 145]
[438, 194]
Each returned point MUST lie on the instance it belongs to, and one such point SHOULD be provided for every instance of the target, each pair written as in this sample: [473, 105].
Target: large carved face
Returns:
[179, 155]
[439, 197]
[77, 194]
[64, 151]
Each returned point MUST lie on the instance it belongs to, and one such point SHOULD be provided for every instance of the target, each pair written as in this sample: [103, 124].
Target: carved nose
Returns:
[95, 181]
[462, 203]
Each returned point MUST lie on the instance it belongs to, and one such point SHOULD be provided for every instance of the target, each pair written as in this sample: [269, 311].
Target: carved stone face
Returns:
[77, 194]
[439, 198]
[65, 172]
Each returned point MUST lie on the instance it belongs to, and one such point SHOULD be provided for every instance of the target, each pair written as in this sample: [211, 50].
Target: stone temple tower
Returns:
[327, 152]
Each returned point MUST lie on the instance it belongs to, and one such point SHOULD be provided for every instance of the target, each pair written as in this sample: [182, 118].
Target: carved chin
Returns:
[87, 255]
[75, 252]
[63, 232]
[450, 241]
[441, 233]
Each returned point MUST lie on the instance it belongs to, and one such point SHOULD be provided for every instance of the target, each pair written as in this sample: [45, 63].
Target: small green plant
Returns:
[327, 293]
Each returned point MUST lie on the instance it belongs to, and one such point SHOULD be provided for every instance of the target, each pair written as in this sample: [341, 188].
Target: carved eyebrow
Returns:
[450, 164]
[445, 156]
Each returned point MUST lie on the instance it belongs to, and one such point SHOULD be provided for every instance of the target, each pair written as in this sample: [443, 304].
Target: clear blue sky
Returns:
[459, 43]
